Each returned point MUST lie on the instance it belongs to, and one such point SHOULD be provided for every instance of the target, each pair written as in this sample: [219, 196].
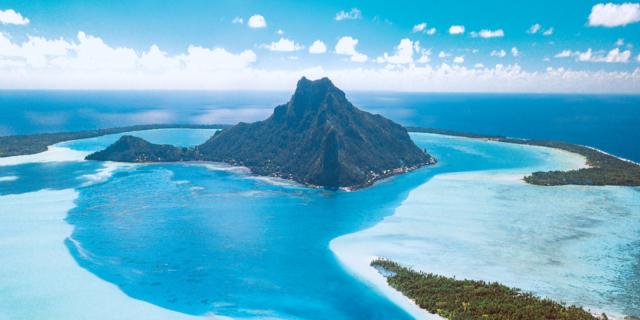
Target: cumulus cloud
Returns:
[499, 33]
[534, 28]
[613, 56]
[347, 46]
[257, 21]
[498, 53]
[619, 42]
[443, 55]
[9, 16]
[420, 27]
[237, 20]
[403, 53]
[614, 15]
[354, 14]
[459, 59]
[456, 29]
[564, 54]
[280, 32]
[283, 45]
[90, 57]
[431, 31]
[515, 52]
[88, 62]
[317, 47]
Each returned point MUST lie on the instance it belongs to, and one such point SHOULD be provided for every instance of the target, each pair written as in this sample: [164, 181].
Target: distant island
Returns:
[468, 299]
[318, 138]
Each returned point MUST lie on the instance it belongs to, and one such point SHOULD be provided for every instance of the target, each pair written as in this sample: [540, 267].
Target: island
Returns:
[318, 139]
[469, 299]
[604, 169]
[18, 145]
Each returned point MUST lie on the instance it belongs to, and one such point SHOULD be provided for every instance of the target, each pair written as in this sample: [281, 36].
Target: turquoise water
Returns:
[608, 122]
[202, 239]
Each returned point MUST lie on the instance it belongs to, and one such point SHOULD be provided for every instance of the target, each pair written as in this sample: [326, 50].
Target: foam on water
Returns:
[8, 178]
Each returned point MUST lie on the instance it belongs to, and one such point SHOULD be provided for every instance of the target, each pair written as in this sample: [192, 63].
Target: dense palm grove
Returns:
[468, 299]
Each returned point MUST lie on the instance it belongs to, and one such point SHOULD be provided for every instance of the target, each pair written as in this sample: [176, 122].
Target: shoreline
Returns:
[603, 168]
[41, 157]
[353, 249]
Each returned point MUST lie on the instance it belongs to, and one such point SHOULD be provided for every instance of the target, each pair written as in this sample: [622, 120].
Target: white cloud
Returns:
[280, 32]
[283, 45]
[347, 46]
[613, 56]
[478, 66]
[424, 56]
[534, 28]
[237, 20]
[564, 54]
[9, 16]
[456, 29]
[515, 52]
[431, 31]
[616, 56]
[443, 55]
[499, 33]
[317, 47]
[619, 42]
[354, 14]
[88, 62]
[614, 15]
[403, 53]
[459, 59]
[419, 27]
[257, 21]
[638, 58]
[498, 53]
[584, 56]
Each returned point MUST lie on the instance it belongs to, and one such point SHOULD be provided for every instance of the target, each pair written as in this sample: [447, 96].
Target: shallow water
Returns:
[203, 239]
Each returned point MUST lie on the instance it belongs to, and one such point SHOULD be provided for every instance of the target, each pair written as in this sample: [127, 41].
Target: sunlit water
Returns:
[200, 238]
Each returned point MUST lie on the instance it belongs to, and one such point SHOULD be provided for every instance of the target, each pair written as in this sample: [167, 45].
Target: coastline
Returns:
[64, 154]
[401, 238]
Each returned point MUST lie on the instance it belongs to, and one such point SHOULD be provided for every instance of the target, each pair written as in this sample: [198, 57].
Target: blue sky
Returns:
[404, 45]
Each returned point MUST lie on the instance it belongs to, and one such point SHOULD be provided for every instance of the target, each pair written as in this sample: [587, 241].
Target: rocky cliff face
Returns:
[317, 138]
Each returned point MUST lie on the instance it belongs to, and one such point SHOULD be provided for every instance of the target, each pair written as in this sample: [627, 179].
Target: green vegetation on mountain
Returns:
[318, 138]
[467, 299]
[604, 169]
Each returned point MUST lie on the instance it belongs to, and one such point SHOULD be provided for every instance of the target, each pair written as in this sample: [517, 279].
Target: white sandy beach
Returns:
[490, 225]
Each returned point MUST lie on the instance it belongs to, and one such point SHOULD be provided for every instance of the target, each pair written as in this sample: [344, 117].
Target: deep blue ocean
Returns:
[608, 122]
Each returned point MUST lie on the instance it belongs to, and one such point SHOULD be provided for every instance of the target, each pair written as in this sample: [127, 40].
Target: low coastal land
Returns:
[19, 145]
[468, 299]
[604, 169]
